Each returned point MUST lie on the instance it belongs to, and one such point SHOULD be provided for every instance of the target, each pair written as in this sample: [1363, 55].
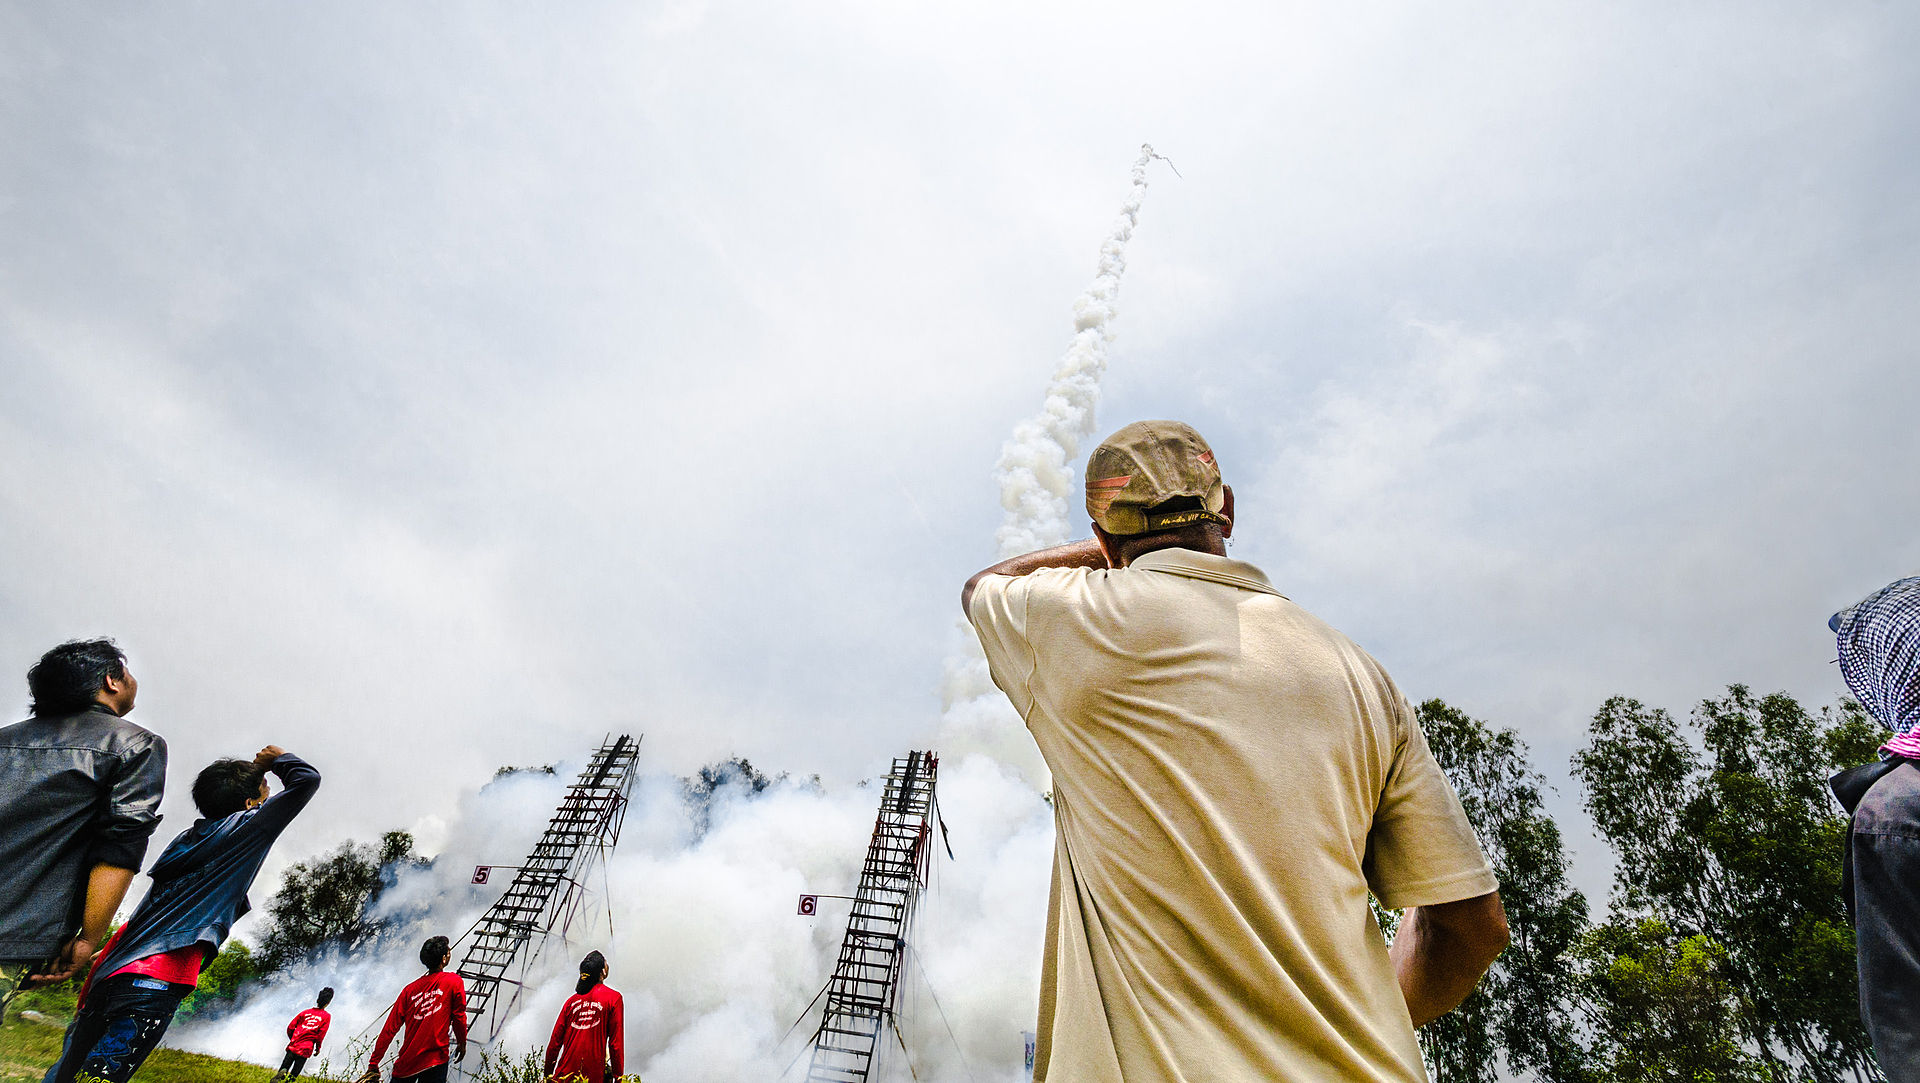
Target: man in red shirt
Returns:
[434, 1003]
[589, 1042]
[304, 1035]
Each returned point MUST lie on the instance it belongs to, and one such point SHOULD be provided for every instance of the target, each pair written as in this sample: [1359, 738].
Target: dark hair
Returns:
[435, 952]
[593, 971]
[1198, 535]
[325, 998]
[224, 787]
[65, 678]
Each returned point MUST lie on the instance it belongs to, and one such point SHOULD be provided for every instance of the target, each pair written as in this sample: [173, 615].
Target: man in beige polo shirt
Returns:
[1231, 779]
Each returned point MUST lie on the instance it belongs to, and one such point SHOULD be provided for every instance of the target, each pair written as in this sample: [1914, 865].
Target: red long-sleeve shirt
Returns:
[307, 1031]
[589, 1039]
[428, 1007]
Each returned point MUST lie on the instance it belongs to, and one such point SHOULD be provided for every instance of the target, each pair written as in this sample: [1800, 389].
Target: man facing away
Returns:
[80, 791]
[199, 890]
[430, 1006]
[589, 1040]
[305, 1032]
[1231, 778]
[1878, 642]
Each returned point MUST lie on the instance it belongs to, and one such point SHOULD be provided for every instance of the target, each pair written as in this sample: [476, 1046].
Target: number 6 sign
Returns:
[808, 904]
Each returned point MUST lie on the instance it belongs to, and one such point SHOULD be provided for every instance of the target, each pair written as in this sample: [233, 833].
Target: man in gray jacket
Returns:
[80, 791]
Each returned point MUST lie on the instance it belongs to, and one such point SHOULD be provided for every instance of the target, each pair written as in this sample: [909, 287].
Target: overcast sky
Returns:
[431, 387]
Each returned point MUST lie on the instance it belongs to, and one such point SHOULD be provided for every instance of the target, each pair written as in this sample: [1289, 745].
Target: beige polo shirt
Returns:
[1231, 777]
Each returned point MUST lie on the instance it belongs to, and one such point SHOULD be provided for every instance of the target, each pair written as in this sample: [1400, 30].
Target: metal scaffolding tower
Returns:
[547, 891]
[861, 993]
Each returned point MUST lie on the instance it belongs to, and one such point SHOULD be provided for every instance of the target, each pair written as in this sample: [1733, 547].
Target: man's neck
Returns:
[1218, 548]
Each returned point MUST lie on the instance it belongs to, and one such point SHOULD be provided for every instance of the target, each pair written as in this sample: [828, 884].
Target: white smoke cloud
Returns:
[705, 945]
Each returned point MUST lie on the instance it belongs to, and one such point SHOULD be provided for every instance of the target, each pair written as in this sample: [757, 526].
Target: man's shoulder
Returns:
[1039, 578]
[1001, 593]
[101, 730]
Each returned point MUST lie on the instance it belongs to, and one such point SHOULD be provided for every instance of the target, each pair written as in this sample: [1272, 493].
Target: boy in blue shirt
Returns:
[199, 890]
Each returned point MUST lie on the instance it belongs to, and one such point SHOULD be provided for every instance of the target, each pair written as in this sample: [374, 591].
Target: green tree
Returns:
[1526, 1010]
[221, 979]
[700, 790]
[1726, 837]
[1666, 1007]
[326, 900]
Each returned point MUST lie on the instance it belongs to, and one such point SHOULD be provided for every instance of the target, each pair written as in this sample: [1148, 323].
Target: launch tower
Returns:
[547, 890]
[862, 991]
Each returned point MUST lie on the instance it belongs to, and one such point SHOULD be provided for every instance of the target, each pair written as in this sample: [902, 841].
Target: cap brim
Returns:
[1833, 622]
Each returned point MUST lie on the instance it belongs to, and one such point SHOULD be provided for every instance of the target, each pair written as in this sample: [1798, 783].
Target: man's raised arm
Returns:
[1081, 554]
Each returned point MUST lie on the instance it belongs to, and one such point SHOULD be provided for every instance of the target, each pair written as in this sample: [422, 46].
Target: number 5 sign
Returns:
[480, 873]
[808, 904]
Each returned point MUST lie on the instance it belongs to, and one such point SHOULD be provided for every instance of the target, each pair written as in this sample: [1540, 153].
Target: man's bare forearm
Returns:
[106, 889]
[1441, 952]
[1081, 554]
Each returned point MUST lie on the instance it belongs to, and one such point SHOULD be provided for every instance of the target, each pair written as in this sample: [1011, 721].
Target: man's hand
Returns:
[371, 1075]
[106, 887]
[70, 963]
[268, 754]
[460, 1052]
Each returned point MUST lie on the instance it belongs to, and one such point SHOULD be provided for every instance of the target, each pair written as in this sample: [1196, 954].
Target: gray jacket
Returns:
[76, 791]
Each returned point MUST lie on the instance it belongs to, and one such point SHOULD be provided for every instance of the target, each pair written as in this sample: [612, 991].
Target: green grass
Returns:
[28, 1048]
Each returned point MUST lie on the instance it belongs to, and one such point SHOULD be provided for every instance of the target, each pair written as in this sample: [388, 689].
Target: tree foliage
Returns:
[1725, 957]
[1525, 1009]
[221, 979]
[327, 901]
[1728, 844]
[1666, 1007]
[700, 790]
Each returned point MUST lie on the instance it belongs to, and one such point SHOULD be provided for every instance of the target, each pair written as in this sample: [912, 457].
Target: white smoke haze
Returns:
[706, 946]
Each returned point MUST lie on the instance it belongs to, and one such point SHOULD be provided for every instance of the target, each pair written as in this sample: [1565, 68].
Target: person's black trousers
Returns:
[122, 1020]
[290, 1067]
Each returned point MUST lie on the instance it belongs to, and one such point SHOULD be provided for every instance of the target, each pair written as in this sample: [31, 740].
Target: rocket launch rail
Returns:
[862, 992]
[547, 889]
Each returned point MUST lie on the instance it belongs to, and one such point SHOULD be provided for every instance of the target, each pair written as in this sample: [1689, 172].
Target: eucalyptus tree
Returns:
[1727, 840]
[1526, 1012]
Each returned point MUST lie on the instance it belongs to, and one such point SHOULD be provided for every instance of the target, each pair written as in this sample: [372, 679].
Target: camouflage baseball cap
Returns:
[1145, 465]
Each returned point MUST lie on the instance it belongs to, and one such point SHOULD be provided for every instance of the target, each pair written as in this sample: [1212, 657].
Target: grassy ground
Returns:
[28, 1047]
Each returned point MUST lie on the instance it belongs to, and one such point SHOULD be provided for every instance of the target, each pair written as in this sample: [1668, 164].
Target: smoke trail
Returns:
[1035, 469]
[1037, 482]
